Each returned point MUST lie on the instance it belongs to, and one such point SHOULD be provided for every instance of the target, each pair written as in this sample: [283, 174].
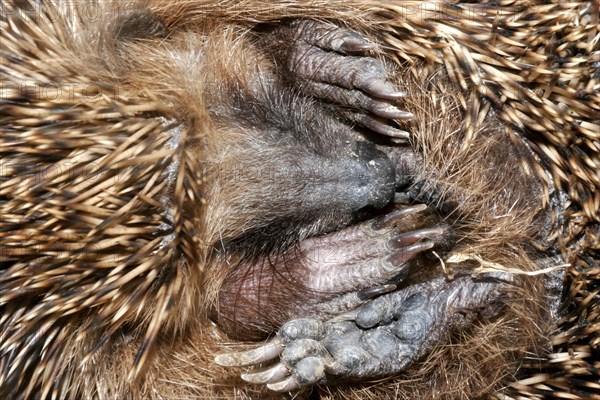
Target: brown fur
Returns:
[140, 329]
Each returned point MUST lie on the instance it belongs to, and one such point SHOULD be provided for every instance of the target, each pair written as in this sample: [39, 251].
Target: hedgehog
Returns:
[309, 199]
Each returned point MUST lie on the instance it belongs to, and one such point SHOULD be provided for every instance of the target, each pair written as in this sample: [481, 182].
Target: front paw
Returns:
[333, 64]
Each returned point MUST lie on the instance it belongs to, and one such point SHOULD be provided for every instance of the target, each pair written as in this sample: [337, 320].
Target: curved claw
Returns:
[272, 375]
[382, 89]
[347, 94]
[388, 111]
[288, 385]
[333, 38]
[261, 354]
[346, 316]
[411, 237]
[406, 253]
[379, 125]
[390, 219]
[371, 293]
[356, 45]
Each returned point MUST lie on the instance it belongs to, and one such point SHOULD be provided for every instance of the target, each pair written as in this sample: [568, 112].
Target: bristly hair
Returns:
[86, 246]
[100, 248]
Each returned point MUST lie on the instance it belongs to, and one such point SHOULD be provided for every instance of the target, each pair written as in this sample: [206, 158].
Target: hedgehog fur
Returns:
[105, 280]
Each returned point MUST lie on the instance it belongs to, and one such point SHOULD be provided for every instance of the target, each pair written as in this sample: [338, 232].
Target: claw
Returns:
[378, 125]
[347, 316]
[414, 236]
[332, 38]
[288, 385]
[406, 253]
[370, 293]
[390, 219]
[259, 355]
[389, 111]
[271, 375]
[356, 46]
[382, 89]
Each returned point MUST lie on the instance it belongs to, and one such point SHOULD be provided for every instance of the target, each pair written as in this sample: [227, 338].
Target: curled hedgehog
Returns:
[330, 199]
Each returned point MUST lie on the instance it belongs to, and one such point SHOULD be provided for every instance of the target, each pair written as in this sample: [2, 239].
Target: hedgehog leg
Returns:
[379, 338]
[325, 275]
[333, 65]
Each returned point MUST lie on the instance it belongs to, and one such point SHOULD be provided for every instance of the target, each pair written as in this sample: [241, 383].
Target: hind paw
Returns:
[379, 338]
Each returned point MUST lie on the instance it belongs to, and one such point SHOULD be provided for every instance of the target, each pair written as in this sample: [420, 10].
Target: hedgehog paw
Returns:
[333, 64]
[379, 338]
[311, 352]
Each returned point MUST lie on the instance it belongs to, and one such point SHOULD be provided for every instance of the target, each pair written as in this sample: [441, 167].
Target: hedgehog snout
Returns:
[372, 177]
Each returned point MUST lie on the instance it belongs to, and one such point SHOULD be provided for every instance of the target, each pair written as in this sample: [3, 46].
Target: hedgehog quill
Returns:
[344, 200]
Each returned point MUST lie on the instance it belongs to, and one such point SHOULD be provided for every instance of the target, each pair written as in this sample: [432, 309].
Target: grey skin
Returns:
[353, 318]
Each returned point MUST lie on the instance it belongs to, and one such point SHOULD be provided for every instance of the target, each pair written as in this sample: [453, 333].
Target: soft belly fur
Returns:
[387, 204]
